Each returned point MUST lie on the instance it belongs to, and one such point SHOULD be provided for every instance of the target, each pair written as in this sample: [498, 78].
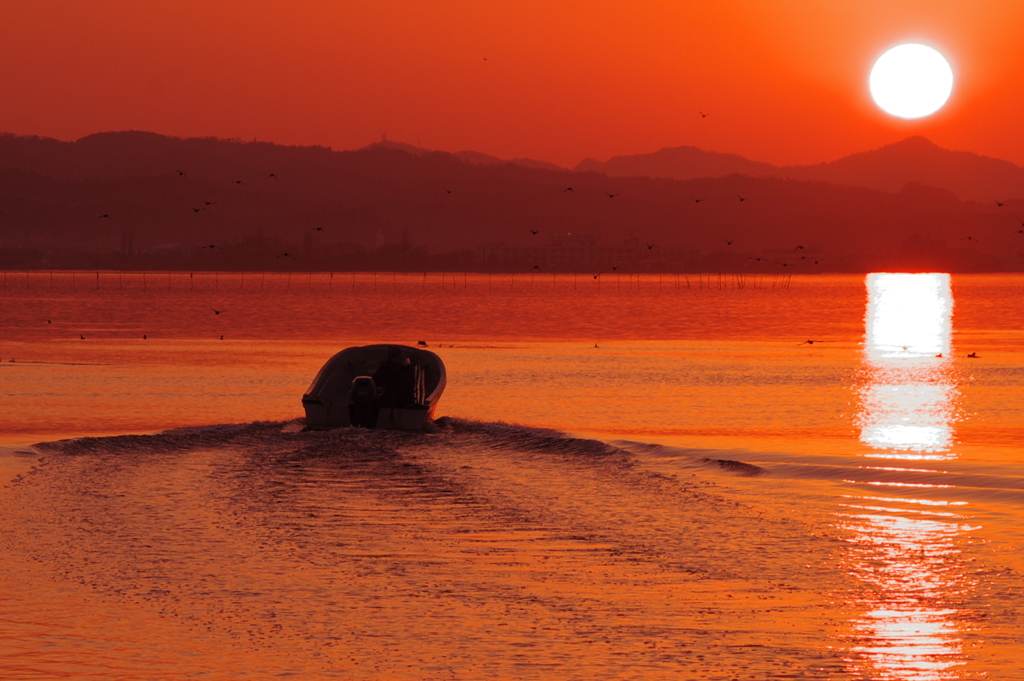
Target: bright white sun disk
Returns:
[911, 81]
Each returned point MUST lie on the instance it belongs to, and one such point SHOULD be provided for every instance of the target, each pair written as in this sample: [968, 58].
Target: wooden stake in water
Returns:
[97, 281]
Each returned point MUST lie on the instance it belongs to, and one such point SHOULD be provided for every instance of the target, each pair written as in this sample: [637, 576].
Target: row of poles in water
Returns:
[382, 280]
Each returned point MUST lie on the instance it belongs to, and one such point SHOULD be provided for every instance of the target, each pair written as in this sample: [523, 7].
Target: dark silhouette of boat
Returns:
[345, 393]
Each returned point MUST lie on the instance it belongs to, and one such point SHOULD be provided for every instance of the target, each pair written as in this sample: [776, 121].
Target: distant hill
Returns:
[890, 168]
[474, 157]
[142, 200]
[679, 163]
[917, 159]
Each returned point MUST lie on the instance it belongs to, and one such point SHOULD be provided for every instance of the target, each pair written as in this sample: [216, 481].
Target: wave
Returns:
[958, 479]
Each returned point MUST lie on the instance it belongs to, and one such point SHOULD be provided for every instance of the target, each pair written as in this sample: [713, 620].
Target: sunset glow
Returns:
[511, 340]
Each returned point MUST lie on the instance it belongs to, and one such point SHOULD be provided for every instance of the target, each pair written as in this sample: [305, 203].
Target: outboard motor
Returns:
[363, 409]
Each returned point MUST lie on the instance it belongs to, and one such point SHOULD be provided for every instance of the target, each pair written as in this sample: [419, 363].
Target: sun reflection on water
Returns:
[908, 399]
[906, 550]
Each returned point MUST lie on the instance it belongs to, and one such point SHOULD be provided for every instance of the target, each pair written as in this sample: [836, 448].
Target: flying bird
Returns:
[798, 248]
[271, 175]
[104, 216]
[535, 267]
[597, 275]
[697, 200]
[610, 196]
[214, 246]
[286, 255]
[741, 198]
[196, 210]
[535, 232]
[999, 204]
[238, 181]
[728, 242]
[216, 312]
[181, 173]
[318, 229]
[754, 257]
[969, 238]
[449, 191]
[702, 114]
[809, 342]
[568, 189]
[613, 266]
[649, 245]
[209, 203]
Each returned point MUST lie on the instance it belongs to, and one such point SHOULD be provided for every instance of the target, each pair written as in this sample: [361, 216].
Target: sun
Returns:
[911, 81]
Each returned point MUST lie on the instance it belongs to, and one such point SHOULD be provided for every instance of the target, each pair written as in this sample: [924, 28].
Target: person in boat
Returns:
[362, 410]
[396, 379]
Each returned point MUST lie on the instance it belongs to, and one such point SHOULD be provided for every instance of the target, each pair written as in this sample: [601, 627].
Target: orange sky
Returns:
[783, 81]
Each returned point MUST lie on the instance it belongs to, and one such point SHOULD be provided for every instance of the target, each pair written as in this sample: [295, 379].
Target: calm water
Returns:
[635, 478]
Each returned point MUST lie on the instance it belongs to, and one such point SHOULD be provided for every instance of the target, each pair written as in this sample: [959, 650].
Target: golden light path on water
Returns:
[908, 399]
[907, 543]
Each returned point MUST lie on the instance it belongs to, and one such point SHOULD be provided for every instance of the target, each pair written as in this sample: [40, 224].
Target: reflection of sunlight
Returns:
[906, 550]
[910, 565]
[907, 404]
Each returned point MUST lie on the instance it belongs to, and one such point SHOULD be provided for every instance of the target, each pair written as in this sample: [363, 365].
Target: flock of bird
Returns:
[207, 204]
[728, 242]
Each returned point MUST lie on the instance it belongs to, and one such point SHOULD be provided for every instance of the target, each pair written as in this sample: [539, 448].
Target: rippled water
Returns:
[733, 502]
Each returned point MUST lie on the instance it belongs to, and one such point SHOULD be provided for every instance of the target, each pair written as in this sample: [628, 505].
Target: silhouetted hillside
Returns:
[890, 168]
[147, 201]
[678, 163]
[917, 159]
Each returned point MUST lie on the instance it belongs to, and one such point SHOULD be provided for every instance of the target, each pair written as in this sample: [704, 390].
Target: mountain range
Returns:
[890, 168]
[144, 200]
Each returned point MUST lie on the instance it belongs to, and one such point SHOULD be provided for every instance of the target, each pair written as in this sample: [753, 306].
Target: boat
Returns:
[344, 393]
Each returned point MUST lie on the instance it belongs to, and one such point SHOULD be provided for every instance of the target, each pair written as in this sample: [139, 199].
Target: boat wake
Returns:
[480, 549]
